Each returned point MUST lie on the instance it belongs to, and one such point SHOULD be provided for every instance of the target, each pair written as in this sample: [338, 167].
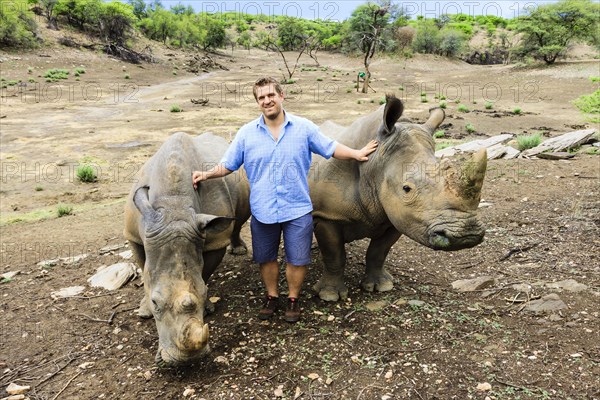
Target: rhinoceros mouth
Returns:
[175, 358]
[441, 240]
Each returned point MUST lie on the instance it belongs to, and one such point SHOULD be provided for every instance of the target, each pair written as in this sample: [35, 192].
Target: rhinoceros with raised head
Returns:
[179, 236]
[401, 189]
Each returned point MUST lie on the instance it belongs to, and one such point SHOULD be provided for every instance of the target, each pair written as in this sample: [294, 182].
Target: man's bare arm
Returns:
[343, 152]
[218, 171]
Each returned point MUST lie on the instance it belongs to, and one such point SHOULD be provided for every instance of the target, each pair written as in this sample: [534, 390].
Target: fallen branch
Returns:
[64, 387]
[518, 250]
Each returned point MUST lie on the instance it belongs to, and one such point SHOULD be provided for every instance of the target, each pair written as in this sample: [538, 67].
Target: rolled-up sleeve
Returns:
[319, 143]
[234, 156]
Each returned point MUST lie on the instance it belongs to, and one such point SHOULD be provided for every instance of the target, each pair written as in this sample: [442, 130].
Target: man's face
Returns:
[269, 101]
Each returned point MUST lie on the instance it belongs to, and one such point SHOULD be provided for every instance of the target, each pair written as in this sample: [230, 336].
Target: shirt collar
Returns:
[287, 119]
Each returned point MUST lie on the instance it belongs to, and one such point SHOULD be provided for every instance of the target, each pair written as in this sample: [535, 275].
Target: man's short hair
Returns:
[264, 82]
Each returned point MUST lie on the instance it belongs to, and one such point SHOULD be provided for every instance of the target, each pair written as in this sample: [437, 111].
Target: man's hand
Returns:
[198, 176]
[365, 151]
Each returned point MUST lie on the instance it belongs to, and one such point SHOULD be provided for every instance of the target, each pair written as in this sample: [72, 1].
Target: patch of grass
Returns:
[470, 128]
[80, 70]
[30, 70]
[38, 188]
[86, 173]
[372, 101]
[175, 108]
[175, 73]
[443, 145]
[463, 108]
[382, 100]
[516, 110]
[595, 79]
[127, 76]
[439, 134]
[589, 104]
[290, 81]
[358, 102]
[401, 88]
[55, 74]
[319, 79]
[489, 105]
[31, 80]
[63, 210]
[443, 104]
[442, 97]
[525, 142]
[424, 100]
[348, 90]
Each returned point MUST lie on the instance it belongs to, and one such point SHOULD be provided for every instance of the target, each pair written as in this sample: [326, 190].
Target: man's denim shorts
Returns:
[297, 240]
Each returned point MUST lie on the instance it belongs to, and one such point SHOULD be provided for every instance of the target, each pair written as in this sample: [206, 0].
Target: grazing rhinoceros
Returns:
[179, 236]
[401, 189]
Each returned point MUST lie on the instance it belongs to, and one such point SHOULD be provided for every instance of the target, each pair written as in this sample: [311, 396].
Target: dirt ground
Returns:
[422, 340]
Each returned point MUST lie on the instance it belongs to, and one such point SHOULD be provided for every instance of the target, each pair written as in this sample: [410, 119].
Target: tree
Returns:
[215, 34]
[365, 30]
[427, 37]
[116, 22]
[139, 8]
[48, 8]
[290, 34]
[17, 26]
[548, 30]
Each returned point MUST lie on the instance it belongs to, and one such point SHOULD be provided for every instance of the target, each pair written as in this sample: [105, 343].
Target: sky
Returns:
[341, 10]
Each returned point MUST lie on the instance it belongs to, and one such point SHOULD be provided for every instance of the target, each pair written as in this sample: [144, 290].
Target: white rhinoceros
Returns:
[179, 236]
[401, 189]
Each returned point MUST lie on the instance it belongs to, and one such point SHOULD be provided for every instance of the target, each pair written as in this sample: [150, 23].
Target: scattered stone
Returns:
[9, 275]
[400, 302]
[576, 355]
[548, 303]
[13, 388]
[297, 393]
[389, 374]
[561, 143]
[147, 375]
[189, 392]
[331, 318]
[416, 303]
[313, 376]
[484, 204]
[67, 292]
[484, 387]
[113, 277]
[386, 397]
[221, 360]
[510, 153]
[570, 285]
[214, 299]
[376, 305]
[471, 285]
[279, 391]
[74, 259]
[522, 287]
[127, 254]
[49, 263]
[86, 365]
[328, 381]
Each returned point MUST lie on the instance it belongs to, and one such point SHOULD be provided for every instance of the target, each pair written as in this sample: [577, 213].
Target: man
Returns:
[275, 150]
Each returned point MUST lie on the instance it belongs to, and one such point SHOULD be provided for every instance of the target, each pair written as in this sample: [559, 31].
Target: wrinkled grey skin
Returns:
[401, 190]
[179, 235]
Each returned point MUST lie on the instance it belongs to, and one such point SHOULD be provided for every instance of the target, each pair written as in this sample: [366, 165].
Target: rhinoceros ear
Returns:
[142, 202]
[436, 117]
[391, 113]
[213, 223]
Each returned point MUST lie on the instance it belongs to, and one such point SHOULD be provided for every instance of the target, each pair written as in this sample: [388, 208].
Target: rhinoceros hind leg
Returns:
[331, 289]
[238, 246]
[376, 277]
[144, 311]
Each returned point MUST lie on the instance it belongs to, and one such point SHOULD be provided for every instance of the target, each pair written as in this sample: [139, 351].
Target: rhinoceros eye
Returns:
[406, 188]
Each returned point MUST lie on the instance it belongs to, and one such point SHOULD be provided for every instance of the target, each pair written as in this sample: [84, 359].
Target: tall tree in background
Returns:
[366, 28]
[548, 30]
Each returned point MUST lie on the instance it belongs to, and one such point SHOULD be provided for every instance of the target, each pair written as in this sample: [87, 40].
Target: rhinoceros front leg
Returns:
[140, 257]
[238, 246]
[331, 243]
[376, 277]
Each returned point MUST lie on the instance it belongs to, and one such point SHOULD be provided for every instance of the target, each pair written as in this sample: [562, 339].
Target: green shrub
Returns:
[86, 173]
[38, 188]
[175, 108]
[382, 100]
[516, 110]
[63, 210]
[80, 71]
[470, 128]
[127, 76]
[525, 142]
[439, 134]
[424, 99]
[319, 79]
[463, 108]
[54, 74]
[443, 104]
[590, 104]
[17, 25]
[489, 105]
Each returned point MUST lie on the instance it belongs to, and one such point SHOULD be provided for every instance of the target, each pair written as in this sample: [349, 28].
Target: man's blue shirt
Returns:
[278, 170]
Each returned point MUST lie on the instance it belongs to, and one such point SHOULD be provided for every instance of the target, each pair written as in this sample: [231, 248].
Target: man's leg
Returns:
[269, 273]
[295, 277]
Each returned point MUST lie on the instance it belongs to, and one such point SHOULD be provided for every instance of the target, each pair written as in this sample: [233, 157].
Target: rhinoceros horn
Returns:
[436, 117]
[465, 177]
[194, 335]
